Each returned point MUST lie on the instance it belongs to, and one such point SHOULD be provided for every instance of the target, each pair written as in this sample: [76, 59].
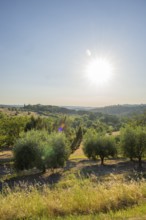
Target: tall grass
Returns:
[75, 196]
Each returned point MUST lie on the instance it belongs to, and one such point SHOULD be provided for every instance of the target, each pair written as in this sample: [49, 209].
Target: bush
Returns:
[26, 155]
[41, 150]
[28, 150]
[56, 151]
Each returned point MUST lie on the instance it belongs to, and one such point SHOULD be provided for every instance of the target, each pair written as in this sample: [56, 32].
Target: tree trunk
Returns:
[102, 160]
[131, 159]
[139, 162]
[43, 169]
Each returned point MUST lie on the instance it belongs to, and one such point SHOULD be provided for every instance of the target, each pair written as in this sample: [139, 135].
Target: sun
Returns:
[99, 71]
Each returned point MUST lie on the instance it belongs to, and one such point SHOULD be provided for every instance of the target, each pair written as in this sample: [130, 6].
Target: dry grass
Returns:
[78, 154]
[73, 196]
[115, 133]
[9, 112]
[6, 154]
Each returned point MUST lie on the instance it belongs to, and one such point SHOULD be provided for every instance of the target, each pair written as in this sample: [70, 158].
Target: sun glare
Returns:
[99, 71]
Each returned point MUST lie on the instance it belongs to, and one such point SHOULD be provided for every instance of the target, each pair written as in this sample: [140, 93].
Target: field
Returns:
[82, 190]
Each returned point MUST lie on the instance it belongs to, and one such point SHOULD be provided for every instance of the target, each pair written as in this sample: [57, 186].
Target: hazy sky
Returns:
[45, 46]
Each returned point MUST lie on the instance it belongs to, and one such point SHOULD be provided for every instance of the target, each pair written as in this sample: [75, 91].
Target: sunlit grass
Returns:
[78, 154]
[70, 197]
[106, 197]
[134, 213]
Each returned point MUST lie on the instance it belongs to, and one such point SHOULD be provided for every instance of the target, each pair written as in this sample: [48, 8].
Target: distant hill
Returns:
[45, 109]
[78, 108]
[119, 110]
[123, 110]
[10, 106]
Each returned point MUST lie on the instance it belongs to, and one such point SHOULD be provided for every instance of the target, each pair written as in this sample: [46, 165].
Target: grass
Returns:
[134, 213]
[78, 154]
[70, 197]
[6, 154]
[104, 197]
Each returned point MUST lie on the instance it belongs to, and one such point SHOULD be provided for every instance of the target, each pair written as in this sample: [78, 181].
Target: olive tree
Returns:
[28, 150]
[133, 143]
[128, 142]
[96, 145]
[106, 147]
[56, 151]
[41, 150]
[89, 144]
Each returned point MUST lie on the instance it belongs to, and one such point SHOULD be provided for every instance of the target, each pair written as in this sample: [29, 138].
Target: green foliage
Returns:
[106, 147]
[28, 150]
[133, 143]
[89, 144]
[57, 151]
[112, 120]
[36, 123]
[48, 109]
[128, 142]
[26, 155]
[77, 140]
[121, 110]
[10, 129]
[99, 145]
[137, 120]
[41, 150]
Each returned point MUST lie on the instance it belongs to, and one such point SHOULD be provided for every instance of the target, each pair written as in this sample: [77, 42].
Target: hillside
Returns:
[124, 110]
[119, 110]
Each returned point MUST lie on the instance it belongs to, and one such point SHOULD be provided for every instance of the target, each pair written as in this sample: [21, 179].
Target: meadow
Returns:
[83, 189]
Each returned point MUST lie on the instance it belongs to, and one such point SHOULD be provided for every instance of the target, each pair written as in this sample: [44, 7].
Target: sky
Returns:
[46, 47]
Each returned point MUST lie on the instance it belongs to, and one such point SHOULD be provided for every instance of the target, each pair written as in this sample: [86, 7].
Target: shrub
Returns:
[26, 155]
[28, 150]
[56, 151]
[41, 150]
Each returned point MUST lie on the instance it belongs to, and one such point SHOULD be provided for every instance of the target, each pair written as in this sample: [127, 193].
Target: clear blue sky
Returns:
[43, 46]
